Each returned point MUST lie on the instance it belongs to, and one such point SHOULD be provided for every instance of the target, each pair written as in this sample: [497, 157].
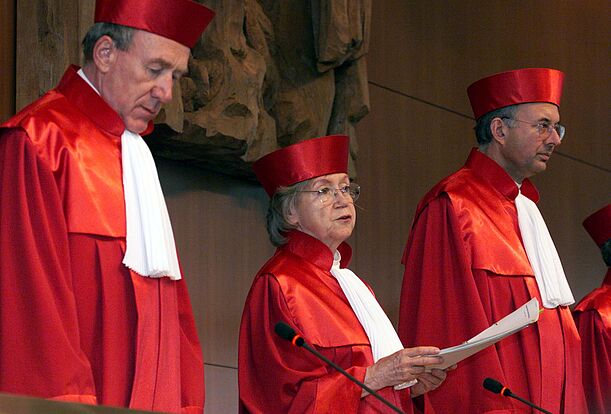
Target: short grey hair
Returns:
[482, 127]
[121, 36]
[280, 206]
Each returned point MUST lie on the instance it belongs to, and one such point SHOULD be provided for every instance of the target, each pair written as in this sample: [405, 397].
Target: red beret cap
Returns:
[598, 225]
[515, 87]
[180, 20]
[301, 161]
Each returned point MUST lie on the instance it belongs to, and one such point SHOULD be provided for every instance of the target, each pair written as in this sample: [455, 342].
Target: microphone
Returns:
[285, 331]
[496, 387]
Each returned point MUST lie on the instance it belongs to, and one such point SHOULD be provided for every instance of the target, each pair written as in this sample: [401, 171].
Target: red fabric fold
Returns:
[462, 275]
[73, 320]
[277, 377]
[593, 320]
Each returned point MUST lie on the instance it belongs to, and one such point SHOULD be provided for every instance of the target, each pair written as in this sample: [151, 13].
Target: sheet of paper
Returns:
[519, 319]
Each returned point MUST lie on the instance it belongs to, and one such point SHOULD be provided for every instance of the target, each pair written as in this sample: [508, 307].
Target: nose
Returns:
[163, 88]
[554, 138]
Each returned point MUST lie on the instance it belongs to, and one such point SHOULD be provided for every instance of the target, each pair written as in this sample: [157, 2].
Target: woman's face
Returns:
[331, 222]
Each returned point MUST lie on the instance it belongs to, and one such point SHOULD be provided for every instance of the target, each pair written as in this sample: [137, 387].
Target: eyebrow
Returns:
[166, 65]
[546, 119]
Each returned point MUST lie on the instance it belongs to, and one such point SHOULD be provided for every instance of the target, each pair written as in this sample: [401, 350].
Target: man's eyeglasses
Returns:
[544, 128]
[327, 195]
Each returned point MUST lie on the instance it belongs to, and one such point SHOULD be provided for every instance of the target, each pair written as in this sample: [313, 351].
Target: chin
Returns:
[137, 127]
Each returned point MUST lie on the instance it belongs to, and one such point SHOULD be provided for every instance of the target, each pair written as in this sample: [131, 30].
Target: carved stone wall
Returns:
[266, 74]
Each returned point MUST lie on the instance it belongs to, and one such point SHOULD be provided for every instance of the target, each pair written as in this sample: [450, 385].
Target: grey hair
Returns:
[121, 36]
[280, 206]
[482, 127]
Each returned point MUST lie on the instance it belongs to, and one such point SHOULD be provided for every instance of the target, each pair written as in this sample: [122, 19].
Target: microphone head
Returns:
[493, 385]
[285, 331]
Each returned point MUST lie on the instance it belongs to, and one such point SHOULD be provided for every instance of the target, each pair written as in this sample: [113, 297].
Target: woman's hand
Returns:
[428, 382]
[406, 365]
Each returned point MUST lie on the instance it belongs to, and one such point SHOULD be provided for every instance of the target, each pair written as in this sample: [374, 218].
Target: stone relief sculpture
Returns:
[268, 73]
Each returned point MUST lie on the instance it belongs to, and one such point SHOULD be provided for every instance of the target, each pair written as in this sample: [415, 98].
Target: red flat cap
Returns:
[180, 20]
[515, 87]
[598, 225]
[301, 161]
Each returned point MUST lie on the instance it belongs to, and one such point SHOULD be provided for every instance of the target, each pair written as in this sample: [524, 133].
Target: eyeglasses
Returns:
[544, 128]
[327, 195]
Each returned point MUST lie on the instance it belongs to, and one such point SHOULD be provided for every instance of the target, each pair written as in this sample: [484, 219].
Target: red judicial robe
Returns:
[297, 287]
[465, 268]
[75, 323]
[593, 319]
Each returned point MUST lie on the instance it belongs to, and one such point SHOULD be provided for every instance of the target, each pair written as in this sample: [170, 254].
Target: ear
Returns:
[497, 129]
[104, 53]
[292, 217]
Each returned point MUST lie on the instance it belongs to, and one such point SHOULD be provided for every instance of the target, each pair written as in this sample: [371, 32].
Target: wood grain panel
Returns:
[434, 49]
[7, 59]
[47, 33]
[221, 390]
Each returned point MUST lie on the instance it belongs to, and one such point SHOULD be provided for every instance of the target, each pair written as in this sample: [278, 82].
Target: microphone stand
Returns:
[496, 387]
[512, 395]
[338, 368]
[286, 332]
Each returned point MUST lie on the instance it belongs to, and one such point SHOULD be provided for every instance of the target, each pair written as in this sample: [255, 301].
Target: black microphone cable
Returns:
[285, 331]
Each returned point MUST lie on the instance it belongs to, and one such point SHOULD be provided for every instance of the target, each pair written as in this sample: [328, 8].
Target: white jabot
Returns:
[382, 335]
[542, 255]
[150, 250]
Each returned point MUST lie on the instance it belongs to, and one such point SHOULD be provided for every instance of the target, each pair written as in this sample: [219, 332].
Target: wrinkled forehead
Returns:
[152, 47]
[329, 179]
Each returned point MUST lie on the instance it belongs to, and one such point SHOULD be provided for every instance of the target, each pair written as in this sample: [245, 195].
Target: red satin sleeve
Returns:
[288, 379]
[39, 338]
[596, 358]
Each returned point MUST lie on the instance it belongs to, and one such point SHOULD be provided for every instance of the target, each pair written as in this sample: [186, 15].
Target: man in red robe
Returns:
[479, 249]
[93, 306]
[593, 319]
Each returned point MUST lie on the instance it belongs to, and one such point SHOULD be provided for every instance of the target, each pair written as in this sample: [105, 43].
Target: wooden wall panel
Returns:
[434, 49]
[7, 59]
[221, 390]
[42, 54]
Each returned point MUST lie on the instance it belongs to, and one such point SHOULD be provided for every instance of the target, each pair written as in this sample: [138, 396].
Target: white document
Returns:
[519, 319]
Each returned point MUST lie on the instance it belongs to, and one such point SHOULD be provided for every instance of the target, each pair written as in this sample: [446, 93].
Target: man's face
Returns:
[141, 78]
[524, 151]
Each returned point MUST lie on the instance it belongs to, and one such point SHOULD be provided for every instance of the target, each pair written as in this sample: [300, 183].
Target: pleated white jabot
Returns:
[382, 335]
[151, 250]
[542, 255]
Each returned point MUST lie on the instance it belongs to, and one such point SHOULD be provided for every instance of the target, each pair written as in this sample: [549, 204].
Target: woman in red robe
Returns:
[306, 284]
